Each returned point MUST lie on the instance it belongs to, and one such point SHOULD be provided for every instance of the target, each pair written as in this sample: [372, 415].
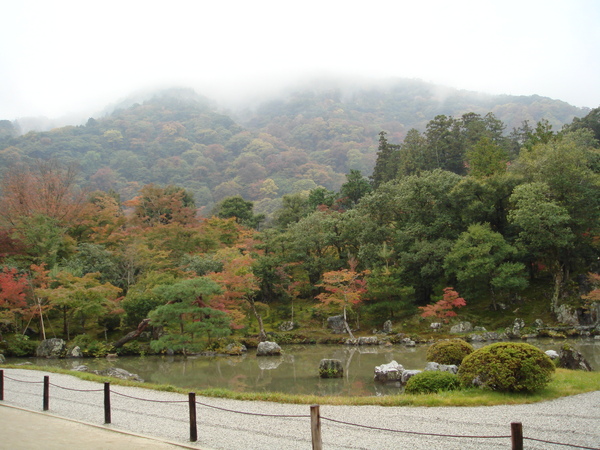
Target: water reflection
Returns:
[294, 372]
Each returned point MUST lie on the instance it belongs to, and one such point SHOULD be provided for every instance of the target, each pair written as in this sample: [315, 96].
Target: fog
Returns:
[67, 60]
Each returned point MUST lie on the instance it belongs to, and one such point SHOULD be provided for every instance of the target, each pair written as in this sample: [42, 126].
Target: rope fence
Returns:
[516, 436]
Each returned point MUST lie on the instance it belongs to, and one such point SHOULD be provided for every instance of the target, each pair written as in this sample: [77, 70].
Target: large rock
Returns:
[331, 368]
[408, 374]
[569, 358]
[552, 354]
[462, 327]
[51, 348]
[386, 373]
[122, 374]
[368, 340]
[75, 352]
[235, 348]
[287, 326]
[433, 366]
[337, 325]
[268, 348]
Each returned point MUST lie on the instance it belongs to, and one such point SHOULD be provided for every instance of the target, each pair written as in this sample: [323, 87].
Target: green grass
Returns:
[564, 383]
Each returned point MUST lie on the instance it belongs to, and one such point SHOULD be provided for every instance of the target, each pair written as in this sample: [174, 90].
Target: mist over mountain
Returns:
[260, 147]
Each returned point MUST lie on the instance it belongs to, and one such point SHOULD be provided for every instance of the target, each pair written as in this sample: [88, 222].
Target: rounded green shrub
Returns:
[19, 345]
[451, 351]
[508, 367]
[431, 381]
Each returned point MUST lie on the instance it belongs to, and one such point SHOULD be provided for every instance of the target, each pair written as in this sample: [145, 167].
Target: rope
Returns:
[23, 381]
[254, 414]
[414, 432]
[77, 390]
[149, 400]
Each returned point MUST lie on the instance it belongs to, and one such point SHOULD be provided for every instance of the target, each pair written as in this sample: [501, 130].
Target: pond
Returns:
[295, 372]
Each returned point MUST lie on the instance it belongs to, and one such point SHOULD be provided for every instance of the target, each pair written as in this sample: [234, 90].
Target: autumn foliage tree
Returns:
[343, 288]
[13, 293]
[444, 309]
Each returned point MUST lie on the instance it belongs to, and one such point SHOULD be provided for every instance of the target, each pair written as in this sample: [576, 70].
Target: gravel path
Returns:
[571, 420]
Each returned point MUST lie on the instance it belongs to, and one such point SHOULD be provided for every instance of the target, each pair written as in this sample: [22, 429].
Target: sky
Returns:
[62, 57]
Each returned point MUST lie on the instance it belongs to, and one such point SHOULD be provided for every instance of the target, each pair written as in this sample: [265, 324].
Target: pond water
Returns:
[295, 372]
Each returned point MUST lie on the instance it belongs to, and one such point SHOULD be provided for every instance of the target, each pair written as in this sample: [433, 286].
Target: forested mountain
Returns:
[307, 138]
[321, 197]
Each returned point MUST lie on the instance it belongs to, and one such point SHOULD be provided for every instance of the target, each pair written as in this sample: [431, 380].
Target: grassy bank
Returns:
[564, 383]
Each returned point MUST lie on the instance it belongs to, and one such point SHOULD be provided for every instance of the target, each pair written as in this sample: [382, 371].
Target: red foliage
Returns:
[13, 289]
[443, 308]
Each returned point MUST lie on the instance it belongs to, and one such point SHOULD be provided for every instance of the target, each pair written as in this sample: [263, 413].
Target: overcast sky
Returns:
[64, 56]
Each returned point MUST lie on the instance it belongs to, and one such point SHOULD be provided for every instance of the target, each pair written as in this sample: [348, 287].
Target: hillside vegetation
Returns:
[172, 215]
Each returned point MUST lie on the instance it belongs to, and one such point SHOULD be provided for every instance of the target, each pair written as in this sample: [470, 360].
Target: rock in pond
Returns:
[268, 348]
[389, 372]
[51, 348]
[331, 368]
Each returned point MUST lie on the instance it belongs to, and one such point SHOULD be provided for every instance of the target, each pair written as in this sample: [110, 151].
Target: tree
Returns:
[239, 209]
[186, 311]
[343, 288]
[79, 297]
[486, 158]
[355, 188]
[163, 205]
[13, 296]
[544, 229]
[47, 188]
[481, 261]
[240, 286]
[443, 309]
[386, 166]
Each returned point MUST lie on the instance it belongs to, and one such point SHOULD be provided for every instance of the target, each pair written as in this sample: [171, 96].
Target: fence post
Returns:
[1, 384]
[106, 402]
[315, 427]
[46, 392]
[516, 435]
[193, 427]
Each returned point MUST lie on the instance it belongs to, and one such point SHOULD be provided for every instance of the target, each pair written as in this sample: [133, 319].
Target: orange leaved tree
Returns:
[344, 288]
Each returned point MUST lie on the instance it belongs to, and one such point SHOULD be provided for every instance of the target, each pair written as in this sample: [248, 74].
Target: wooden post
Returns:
[193, 427]
[1, 384]
[315, 427]
[516, 435]
[106, 402]
[46, 392]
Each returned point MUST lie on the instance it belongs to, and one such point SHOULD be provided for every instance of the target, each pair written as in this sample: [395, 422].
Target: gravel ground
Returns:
[571, 420]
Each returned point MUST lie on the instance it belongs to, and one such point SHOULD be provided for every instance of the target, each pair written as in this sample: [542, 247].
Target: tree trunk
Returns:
[558, 279]
[133, 335]
[262, 336]
[347, 326]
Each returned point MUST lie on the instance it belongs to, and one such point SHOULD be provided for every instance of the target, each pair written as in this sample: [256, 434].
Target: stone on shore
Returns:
[122, 374]
[268, 348]
[569, 358]
[433, 366]
[51, 348]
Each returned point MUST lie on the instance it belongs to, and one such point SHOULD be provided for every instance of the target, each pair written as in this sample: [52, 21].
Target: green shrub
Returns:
[432, 381]
[508, 367]
[452, 351]
[19, 345]
[90, 346]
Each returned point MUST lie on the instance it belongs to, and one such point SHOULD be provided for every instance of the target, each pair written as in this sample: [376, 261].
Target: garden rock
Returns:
[479, 329]
[552, 354]
[2, 359]
[51, 348]
[387, 327]
[75, 352]
[462, 327]
[368, 340]
[80, 368]
[122, 374]
[235, 349]
[408, 374]
[331, 368]
[433, 366]
[268, 348]
[518, 325]
[538, 323]
[408, 342]
[337, 325]
[389, 372]
[476, 338]
[287, 326]
[491, 336]
[569, 358]
[435, 326]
